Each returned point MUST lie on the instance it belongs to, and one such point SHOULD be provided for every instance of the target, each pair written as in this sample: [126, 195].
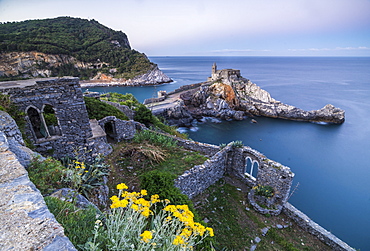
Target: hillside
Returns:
[67, 46]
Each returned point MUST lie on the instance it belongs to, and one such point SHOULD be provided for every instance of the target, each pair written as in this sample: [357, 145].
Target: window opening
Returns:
[251, 168]
[51, 120]
[38, 126]
[109, 129]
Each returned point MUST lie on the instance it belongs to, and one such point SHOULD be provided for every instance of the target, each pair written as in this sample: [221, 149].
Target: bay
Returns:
[330, 162]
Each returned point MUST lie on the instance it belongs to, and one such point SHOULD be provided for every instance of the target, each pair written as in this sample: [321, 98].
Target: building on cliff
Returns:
[225, 74]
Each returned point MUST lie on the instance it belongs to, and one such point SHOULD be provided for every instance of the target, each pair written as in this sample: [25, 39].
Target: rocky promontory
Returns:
[227, 95]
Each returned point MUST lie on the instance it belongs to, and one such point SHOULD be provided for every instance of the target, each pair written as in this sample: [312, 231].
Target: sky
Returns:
[219, 28]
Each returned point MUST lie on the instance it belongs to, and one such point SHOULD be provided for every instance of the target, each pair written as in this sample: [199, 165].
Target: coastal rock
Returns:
[153, 77]
[227, 95]
[178, 115]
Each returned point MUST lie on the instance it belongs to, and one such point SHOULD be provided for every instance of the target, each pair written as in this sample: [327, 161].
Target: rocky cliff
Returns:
[237, 100]
[66, 46]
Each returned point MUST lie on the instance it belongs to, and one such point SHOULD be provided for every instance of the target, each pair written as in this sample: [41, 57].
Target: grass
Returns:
[236, 225]
[78, 223]
[130, 160]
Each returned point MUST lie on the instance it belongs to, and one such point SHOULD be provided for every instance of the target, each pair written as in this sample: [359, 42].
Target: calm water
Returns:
[331, 162]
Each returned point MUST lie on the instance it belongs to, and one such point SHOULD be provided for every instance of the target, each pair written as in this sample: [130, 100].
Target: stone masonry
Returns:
[72, 131]
[25, 221]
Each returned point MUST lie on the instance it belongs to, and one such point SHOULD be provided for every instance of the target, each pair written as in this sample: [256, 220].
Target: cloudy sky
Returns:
[215, 27]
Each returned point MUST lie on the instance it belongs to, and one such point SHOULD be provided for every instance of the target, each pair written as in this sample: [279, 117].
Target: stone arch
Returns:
[51, 120]
[110, 130]
[37, 124]
[251, 168]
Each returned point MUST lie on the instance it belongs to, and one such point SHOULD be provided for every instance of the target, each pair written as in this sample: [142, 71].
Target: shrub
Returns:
[46, 174]
[78, 223]
[266, 191]
[154, 138]
[237, 144]
[85, 177]
[97, 109]
[163, 184]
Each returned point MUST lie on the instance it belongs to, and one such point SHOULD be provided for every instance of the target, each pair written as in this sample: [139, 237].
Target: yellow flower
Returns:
[144, 192]
[122, 186]
[210, 230]
[178, 240]
[135, 207]
[146, 236]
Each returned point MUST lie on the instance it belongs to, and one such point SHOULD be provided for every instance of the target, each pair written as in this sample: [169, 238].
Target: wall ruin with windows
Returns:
[58, 123]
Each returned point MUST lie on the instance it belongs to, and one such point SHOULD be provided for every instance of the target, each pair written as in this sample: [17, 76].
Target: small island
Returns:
[227, 95]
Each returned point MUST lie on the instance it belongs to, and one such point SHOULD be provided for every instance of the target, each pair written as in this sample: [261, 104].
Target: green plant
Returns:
[46, 174]
[97, 109]
[266, 191]
[237, 144]
[154, 138]
[163, 184]
[223, 145]
[78, 223]
[135, 224]
[143, 115]
[84, 177]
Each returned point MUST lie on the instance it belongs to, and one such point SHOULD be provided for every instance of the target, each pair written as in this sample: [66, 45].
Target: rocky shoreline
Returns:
[153, 77]
[233, 98]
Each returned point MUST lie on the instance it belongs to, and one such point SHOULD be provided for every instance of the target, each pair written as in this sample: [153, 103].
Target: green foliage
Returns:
[78, 223]
[162, 183]
[144, 115]
[86, 40]
[154, 138]
[85, 177]
[237, 144]
[49, 116]
[266, 191]
[97, 109]
[272, 233]
[9, 107]
[46, 174]
[123, 99]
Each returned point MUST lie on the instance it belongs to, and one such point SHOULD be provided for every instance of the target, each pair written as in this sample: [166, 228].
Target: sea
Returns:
[331, 162]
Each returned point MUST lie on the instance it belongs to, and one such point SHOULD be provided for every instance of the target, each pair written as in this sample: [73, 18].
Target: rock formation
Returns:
[234, 97]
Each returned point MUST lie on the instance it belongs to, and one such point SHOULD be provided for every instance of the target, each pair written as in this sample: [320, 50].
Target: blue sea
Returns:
[331, 162]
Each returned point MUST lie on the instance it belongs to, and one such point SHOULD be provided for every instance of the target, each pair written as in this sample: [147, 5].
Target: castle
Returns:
[225, 74]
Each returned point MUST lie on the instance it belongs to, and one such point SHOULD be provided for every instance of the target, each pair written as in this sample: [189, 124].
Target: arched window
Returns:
[251, 167]
[51, 120]
[38, 126]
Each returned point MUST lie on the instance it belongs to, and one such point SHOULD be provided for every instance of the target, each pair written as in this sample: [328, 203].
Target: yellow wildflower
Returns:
[178, 240]
[122, 186]
[146, 236]
[144, 192]
[210, 230]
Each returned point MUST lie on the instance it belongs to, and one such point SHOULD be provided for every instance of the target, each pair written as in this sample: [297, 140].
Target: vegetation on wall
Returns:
[86, 40]
[97, 109]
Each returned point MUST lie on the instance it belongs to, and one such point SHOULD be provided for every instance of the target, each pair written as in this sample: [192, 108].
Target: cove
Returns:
[330, 162]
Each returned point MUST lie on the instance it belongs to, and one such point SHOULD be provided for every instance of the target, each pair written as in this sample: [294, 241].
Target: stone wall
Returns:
[25, 221]
[199, 178]
[118, 129]
[315, 229]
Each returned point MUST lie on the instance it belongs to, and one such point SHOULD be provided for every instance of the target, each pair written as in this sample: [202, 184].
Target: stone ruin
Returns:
[57, 119]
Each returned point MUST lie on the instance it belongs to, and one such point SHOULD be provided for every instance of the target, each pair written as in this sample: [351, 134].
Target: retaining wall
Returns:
[313, 228]
[25, 221]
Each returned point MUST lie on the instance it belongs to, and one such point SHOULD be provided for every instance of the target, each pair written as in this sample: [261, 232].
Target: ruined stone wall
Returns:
[65, 97]
[315, 229]
[199, 178]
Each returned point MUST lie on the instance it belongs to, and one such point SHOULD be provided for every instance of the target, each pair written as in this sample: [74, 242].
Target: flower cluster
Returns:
[191, 229]
[134, 200]
[136, 223]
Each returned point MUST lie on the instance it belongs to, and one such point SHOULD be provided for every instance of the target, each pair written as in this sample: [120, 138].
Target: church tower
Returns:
[214, 68]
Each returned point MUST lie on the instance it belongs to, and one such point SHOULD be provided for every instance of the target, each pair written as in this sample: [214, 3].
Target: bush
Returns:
[97, 109]
[154, 138]
[78, 223]
[163, 184]
[46, 174]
